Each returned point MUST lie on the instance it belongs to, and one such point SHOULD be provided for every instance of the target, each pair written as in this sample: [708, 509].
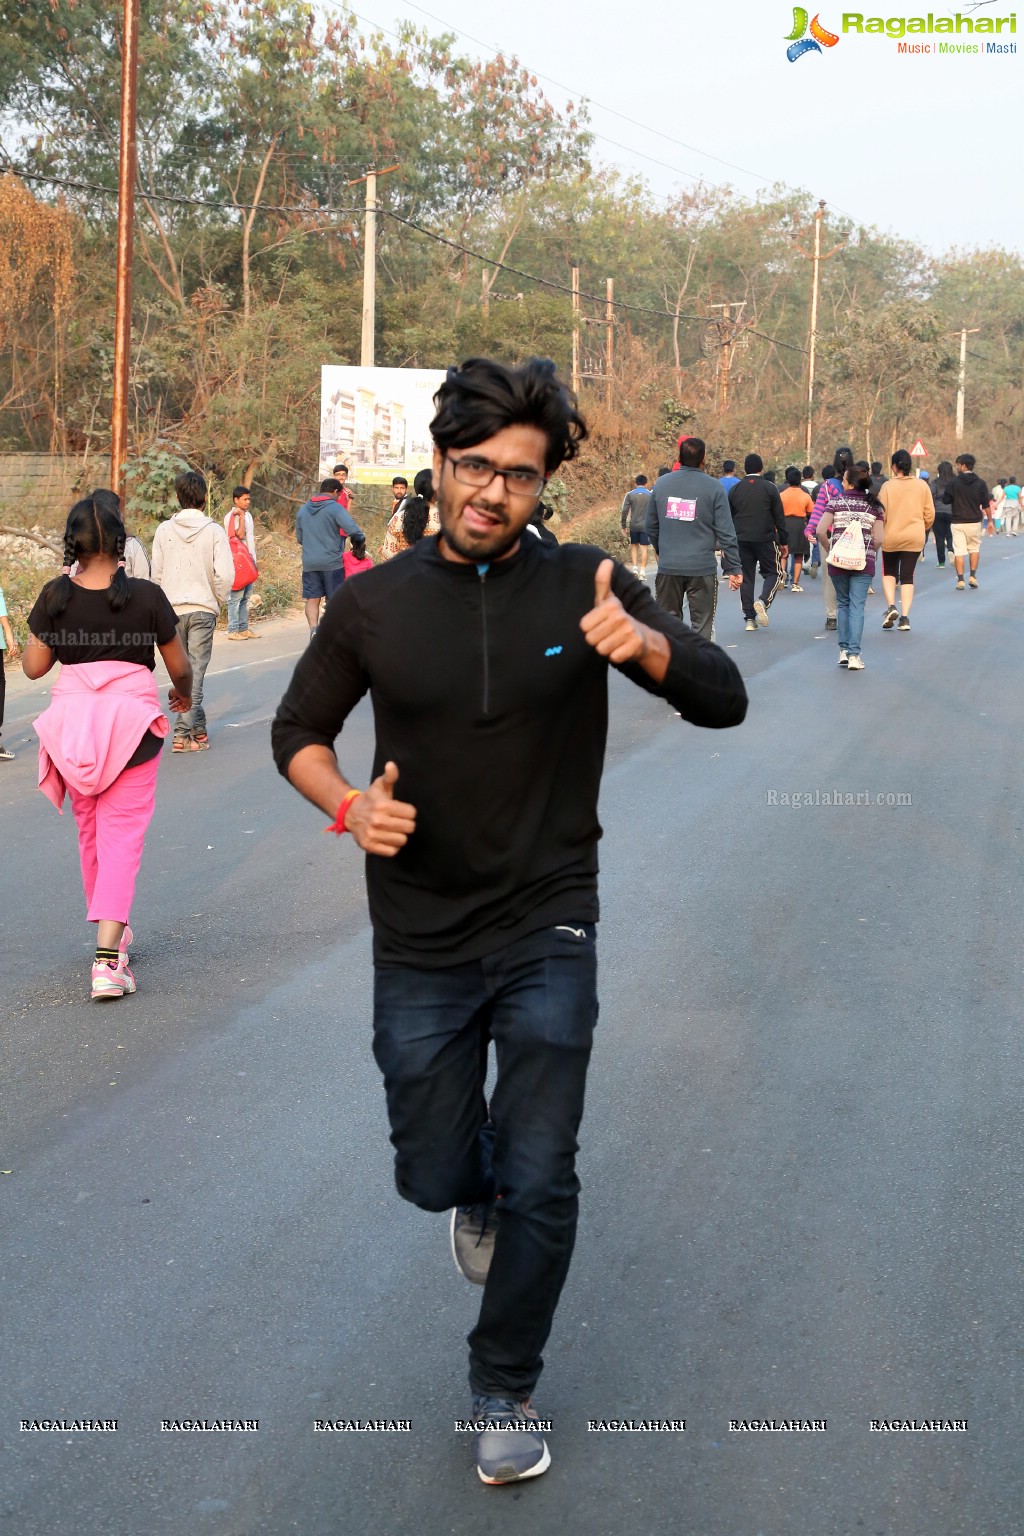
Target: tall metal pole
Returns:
[609, 345]
[814, 329]
[366, 353]
[576, 330]
[125, 233]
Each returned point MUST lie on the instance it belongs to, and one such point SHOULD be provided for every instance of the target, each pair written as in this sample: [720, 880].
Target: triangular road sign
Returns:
[919, 451]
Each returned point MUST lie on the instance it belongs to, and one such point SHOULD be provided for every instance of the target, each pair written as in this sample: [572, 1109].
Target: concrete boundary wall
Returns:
[46, 480]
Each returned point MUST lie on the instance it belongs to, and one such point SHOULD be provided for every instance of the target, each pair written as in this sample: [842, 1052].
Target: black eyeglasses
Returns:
[477, 472]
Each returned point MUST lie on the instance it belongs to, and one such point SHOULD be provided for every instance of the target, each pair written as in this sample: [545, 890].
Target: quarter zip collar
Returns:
[497, 570]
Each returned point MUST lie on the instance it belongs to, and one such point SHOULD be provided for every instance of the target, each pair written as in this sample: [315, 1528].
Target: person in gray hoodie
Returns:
[321, 526]
[192, 562]
[687, 521]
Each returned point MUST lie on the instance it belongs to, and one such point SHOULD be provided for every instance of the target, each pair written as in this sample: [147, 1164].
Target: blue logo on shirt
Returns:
[553, 650]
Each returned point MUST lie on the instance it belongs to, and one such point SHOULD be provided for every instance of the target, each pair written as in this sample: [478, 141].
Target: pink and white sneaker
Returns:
[109, 982]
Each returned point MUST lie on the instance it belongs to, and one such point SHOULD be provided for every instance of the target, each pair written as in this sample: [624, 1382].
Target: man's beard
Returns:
[482, 548]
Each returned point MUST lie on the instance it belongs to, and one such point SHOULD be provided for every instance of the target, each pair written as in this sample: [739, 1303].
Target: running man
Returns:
[480, 826]
[634, 517]
[760, 525]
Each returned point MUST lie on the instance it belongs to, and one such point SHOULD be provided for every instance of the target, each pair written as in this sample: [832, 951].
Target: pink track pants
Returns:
[111, 833]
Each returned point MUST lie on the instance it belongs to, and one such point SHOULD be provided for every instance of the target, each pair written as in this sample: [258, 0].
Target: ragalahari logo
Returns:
[800, 43]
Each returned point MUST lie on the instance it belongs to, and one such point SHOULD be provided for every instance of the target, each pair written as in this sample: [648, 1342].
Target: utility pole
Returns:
[576, 331]
[816, 258]
[125, 234]
[368, 340]
[728, 332]
[964, 333]
[609, 353]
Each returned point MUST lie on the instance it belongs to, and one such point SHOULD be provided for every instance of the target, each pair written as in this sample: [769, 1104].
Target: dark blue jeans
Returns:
[537, 1000]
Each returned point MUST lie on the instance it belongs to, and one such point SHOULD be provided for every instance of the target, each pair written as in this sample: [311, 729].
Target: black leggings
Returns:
[3, 688]
[900, 563]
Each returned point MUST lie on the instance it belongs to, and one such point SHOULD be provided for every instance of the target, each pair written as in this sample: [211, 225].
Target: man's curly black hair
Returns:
[481, 397]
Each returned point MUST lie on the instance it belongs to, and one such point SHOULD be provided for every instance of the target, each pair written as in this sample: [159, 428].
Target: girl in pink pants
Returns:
[101, 737]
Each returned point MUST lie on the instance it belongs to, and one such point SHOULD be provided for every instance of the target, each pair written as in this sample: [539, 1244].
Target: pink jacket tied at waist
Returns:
[99, 712]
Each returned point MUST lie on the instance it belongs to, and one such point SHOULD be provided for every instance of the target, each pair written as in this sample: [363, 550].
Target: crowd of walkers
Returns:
[480, 820]
[743, 530]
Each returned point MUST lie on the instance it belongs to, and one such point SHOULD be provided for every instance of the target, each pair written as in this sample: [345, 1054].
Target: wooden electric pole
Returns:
[576, 331]
[609, 344]
[125, 237]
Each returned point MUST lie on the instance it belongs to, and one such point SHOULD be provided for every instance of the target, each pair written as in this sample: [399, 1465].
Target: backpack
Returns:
[847, 553]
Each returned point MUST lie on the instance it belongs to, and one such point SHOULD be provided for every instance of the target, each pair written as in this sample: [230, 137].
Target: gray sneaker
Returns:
[761, 613]
[473, 1230]
[508, 1447]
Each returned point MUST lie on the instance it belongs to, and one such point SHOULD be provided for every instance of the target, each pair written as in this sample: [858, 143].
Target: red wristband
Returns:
[338, 824]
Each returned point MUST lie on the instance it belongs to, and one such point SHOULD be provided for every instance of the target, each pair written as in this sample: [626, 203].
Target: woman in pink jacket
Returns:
[101, 737]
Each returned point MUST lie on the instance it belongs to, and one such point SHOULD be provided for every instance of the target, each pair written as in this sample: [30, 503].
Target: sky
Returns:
[916, 144]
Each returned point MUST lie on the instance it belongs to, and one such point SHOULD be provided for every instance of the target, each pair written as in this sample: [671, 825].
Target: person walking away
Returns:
[687, 522]
[401, 533]
[968, 497]
[634, 517]
[810, 484]
[760, 526]
[238, 522]
[855, 503]
[8, 652]
[797, 507]
[942, 527]
[878, 479]
[101, 737]
[1011, 509]
[908, 511]
[996, 507]
[481, 827]
[192, 564]
[728, 478]
[831, 486]
[321, 527]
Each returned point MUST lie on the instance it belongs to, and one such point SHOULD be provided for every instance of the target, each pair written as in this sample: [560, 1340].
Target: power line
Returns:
[583, 96]
[430, 234]
[593, 132]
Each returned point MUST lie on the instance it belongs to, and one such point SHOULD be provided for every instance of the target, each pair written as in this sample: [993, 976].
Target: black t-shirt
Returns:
[89, 630]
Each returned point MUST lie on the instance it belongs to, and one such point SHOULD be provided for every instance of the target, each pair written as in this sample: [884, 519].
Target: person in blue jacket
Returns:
[321, 526]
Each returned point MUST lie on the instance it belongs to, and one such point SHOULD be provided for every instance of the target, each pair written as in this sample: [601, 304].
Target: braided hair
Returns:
[94, 527]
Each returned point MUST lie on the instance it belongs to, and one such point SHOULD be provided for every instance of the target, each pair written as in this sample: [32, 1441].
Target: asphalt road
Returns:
[802, 1153]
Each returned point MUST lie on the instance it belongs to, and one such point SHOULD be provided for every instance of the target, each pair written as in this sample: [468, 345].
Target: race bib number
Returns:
[681, 510]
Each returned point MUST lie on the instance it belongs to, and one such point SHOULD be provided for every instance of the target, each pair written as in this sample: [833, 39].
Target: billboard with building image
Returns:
[376, 420]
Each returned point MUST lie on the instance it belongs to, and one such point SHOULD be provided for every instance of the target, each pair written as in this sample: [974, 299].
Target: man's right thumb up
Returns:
[388, 779]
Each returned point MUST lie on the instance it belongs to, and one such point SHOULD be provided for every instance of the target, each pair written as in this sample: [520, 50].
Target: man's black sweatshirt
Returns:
[969, 496]
[756, 508]
[495, 709]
